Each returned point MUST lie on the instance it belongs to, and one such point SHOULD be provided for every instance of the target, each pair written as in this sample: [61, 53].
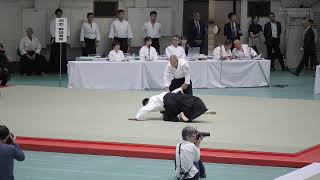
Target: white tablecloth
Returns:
[105, 75]
[149, 75]
[317, 81]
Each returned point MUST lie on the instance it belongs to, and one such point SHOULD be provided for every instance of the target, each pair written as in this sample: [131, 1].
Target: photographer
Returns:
[188, 163]
[9, 151]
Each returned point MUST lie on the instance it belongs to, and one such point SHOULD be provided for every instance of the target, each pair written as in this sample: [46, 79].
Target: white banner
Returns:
[61, 30]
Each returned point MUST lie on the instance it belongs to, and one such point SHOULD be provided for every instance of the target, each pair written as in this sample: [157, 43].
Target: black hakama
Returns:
[55, 57]
[175, 103]
[177, 83]
[29, 66]
[90, 47]
[123, 44]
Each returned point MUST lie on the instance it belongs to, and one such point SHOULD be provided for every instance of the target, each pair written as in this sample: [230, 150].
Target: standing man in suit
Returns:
[272, 32]
[232, 29]
[197, 33]
[309, 46]
[121, 31]
[315, 39]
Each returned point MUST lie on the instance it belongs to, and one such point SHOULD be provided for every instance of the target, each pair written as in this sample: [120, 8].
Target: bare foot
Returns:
[183, 117]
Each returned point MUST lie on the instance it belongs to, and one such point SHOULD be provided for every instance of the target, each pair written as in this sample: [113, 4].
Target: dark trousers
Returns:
[29, 66]
[308, 53]
[199, 165]
[123, 44]
[55, 57]
[177, 83]
[255, 49]
[4, 76]
[90, 47]
[275, 42]
[156, 44]
[201, 46]
[311, 60]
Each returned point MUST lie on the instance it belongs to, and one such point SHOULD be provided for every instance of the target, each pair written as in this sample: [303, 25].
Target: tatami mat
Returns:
[244, 123]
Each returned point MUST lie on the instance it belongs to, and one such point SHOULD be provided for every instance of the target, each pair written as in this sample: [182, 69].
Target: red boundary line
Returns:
[297, 160]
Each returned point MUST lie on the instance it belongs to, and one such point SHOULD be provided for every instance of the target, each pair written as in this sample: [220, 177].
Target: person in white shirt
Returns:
[116, 55]
[175, 49]
[174, 106]
[178, 69]
[147, 52]
[187, 161]
[243, 51]
[223, 52]
[120, 30]
[89, 36]
[55, 47]
[152, 29]
[31, 59]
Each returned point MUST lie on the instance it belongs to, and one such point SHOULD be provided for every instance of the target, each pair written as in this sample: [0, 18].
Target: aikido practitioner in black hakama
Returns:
[178, 69]
[174, 106]
[89, 36]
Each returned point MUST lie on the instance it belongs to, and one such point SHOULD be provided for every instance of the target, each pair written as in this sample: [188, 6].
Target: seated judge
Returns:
[89, 36]
[242, 51]
[175, 106]
[177, 74]
[31, 60]
[4, 72]
[116, 55]
[185, 44]
[175, 49]
[223, 52]
[147, 52]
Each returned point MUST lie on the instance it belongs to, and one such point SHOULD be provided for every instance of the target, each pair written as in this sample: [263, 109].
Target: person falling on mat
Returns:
[175, 106]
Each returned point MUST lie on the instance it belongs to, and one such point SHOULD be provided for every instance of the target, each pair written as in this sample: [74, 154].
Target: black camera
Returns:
[10, 140]
[183, 174]
[202, 134]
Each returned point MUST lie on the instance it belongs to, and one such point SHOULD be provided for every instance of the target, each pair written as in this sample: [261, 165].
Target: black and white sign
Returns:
[61, 30]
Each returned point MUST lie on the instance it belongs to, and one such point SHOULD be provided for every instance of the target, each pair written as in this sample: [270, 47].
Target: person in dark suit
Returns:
[309, 47]
[197, 33]
[255, 31]
[4, 72]
[272, 32]
[315, 54]
[232, 29]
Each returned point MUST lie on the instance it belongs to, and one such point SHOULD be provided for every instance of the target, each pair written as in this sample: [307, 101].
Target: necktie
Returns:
[198, 27]
[234, 29]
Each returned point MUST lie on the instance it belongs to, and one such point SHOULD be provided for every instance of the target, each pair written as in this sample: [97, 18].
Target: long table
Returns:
[317, 81]
[149, 75]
